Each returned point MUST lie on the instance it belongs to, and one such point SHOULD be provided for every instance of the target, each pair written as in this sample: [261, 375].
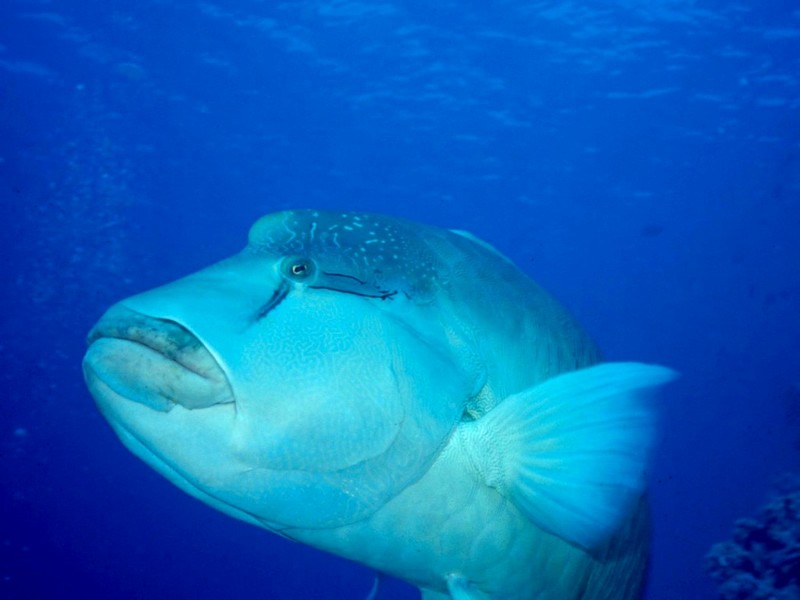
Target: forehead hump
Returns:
[367, 243]
[295, 231]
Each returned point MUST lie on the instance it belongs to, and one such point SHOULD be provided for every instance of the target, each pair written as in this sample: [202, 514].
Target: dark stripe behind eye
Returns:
[383, 295]
[277, 297]
[345, 276]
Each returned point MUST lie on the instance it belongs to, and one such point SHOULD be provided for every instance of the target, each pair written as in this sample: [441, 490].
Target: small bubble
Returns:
[20, 432]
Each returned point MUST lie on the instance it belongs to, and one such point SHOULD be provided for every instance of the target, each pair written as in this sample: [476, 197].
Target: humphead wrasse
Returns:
[397, 394]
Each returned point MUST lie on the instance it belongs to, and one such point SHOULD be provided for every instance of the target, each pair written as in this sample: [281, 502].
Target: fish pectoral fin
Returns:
[571, 452]
[376, 584]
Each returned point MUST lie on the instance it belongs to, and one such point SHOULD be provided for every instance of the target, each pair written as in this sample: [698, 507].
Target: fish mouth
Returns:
[152, 361]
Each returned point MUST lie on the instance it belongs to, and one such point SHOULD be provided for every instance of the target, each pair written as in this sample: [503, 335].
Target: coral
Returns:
[762, 561]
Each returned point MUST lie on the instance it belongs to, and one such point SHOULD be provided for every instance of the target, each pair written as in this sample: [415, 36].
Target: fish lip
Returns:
[136, 331]
[171, 340]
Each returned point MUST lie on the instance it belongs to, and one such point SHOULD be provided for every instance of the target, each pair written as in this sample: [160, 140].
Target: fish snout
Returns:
[153, 361]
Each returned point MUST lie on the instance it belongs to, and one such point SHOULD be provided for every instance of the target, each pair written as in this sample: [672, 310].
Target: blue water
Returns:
[639, 158]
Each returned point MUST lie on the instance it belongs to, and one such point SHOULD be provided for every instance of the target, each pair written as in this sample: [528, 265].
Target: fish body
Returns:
[396, 394]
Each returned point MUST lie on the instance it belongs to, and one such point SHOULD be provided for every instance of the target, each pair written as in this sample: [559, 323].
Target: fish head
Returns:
[303, 382]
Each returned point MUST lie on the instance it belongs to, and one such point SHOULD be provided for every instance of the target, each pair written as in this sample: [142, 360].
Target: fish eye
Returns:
[300, 269]
[297, 267]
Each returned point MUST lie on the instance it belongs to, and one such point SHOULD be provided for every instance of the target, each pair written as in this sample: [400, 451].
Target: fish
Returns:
[397, 394]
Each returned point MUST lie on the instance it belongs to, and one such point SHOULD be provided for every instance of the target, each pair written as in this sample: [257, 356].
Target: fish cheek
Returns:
[339, 408]
[315, 390]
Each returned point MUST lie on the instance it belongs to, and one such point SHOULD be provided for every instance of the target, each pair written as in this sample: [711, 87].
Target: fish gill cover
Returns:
[638, 158]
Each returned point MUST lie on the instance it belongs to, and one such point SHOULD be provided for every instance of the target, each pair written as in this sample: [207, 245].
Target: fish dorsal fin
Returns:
[571, 452]
[478, 241]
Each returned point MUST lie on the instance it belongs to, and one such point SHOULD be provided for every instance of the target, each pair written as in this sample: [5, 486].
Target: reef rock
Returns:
[762, 561]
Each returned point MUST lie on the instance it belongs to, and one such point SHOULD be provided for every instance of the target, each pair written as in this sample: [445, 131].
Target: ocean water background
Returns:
[639, 158]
